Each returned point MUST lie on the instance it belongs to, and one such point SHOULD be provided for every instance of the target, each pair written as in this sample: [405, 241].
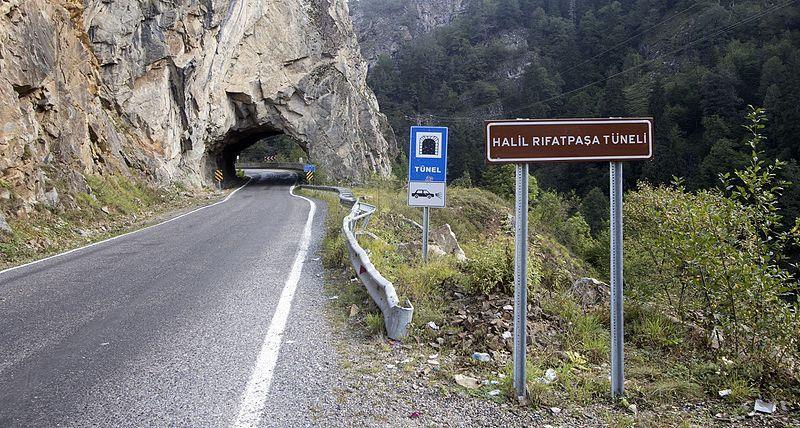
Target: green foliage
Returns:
[490, 268]
[463, 181]
[716, 259]
[118, 193]
[374, 322]
[577, 65]
[559, 216]
[501, 180]
[283, 147]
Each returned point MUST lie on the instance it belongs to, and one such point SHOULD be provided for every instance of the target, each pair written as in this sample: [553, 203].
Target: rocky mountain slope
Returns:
[383, 27]
[170, 90]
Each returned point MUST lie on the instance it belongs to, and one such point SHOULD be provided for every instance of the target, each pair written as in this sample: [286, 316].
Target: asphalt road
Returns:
[167, 326]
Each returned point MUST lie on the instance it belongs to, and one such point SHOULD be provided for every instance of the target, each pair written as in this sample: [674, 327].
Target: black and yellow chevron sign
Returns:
[218, 175]
[309, 176]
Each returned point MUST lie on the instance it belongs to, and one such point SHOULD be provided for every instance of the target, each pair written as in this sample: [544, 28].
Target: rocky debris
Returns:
[590, 292]
[5, 229]
[435, 250]
[51, 198]
[482, 326]
[445, 239]
[481, 356]
[353, 311]
[467, 381]
[763, 406]
[549, 377]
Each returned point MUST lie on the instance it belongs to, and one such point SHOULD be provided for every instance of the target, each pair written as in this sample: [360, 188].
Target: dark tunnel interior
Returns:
[266, 143]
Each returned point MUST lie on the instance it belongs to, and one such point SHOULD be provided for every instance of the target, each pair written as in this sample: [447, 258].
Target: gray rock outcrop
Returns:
[383, 27]
[171, 90]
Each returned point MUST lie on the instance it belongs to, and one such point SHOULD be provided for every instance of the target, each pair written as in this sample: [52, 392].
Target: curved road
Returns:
[174, 325]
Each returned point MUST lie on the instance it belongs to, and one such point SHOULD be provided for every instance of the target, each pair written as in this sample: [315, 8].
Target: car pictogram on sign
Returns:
[422, 193]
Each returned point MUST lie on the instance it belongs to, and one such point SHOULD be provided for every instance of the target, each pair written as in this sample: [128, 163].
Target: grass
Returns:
[113, 205]
[664, 365]
[374, 323]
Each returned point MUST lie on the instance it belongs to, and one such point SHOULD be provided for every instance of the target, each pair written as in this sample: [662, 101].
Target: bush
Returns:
[715, 259]
[490, 268]
[559, 216]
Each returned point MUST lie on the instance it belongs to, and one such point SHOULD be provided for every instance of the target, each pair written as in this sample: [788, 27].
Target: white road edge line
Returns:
[255, 395]
[75, 250]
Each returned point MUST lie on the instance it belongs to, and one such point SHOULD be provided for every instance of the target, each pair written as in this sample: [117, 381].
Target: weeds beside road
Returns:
[112, 205]
[674, 376]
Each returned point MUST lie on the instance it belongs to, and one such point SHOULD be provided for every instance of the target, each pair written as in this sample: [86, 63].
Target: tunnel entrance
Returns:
[253, 138]
[255, 148]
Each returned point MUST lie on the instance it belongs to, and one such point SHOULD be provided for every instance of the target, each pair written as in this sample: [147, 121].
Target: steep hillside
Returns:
[168, 91]
[383, 27]
[694, 66]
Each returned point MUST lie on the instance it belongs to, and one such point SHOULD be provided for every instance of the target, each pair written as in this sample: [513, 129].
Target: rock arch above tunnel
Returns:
[158, 89]
[203, 81]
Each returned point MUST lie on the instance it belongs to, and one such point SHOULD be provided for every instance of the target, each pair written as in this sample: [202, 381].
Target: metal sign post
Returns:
[617, 355]
[524, 141]
[520, 278]
[427, 174]
[426, 212]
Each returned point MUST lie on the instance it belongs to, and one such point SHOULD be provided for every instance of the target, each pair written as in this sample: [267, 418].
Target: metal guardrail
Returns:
[346, 197]
[395, 317]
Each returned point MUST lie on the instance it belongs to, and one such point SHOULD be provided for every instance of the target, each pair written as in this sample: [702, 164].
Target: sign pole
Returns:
[520, 278]
[425, 227]
[617, 357]
[613, 140]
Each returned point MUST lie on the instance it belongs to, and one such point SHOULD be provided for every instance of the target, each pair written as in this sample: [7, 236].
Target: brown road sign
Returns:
[568, 140]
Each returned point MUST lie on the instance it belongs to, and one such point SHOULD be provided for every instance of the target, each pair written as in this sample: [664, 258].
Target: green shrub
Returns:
[463, 181]
[374, 322]
[715, 259]
[590, 337]
[334, 252]
[559, 216]
[424, 282]
[490, 268]
[119, 193]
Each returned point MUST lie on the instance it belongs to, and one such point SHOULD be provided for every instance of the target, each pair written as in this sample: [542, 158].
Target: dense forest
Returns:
[693, 66]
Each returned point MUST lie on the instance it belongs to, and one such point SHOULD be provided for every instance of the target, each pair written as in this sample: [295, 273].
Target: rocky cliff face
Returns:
[384, 25]
[173, 89]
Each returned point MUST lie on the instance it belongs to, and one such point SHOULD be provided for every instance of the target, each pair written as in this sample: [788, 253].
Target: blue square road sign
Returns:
[427, 154]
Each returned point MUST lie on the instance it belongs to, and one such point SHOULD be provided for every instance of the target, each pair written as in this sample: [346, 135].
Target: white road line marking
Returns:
[255, 394]
[75, 250]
